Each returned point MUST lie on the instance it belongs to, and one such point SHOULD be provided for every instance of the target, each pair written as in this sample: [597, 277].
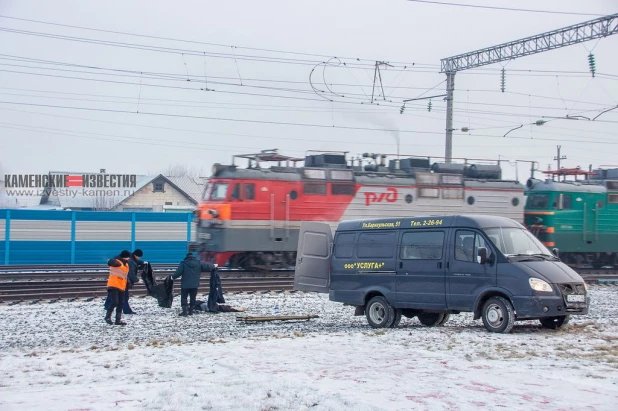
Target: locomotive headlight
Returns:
[205, 236]
[213, 213]
[539, 285]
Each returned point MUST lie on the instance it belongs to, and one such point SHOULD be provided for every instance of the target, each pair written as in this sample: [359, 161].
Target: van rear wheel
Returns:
[498, 315]
[431, 319]
[553, 323]
[445, 319]
[379, 313]
[397, 318]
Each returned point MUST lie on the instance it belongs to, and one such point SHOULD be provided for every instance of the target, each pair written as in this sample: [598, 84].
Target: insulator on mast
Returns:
[592, 64]
[502, 80]
[429, 106]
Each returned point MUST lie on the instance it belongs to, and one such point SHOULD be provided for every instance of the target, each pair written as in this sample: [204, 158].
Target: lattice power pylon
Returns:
[567, 36]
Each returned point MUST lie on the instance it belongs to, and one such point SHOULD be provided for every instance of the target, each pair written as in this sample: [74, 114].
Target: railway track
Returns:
[57, 282]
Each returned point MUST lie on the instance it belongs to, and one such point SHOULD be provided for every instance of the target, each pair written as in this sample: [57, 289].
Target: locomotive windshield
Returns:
[219, 191]
[538, 201]
[516, 241]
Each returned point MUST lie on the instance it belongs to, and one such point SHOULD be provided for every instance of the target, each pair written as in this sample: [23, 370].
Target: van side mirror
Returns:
[556, 252]
[481, 255]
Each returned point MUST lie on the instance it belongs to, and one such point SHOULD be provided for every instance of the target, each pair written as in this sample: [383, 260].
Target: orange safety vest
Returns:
[118, 276]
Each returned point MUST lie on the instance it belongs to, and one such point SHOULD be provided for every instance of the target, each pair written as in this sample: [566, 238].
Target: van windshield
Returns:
[516, 242]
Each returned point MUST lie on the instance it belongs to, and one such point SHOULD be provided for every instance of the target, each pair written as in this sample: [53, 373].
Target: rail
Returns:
[53, 286]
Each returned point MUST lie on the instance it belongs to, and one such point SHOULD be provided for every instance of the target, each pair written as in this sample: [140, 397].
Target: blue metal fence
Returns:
[91, 237]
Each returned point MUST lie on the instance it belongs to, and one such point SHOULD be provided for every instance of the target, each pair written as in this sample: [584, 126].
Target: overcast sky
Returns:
[115, 123]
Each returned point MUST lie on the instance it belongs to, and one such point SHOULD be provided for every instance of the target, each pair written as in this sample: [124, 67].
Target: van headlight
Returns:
[539, 285]
[586, 286]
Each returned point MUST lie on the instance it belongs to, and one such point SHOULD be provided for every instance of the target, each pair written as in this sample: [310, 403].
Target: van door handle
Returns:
[400, 264]
[440, 264]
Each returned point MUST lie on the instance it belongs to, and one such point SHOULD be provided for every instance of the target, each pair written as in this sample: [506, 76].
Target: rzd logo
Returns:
[390, 196]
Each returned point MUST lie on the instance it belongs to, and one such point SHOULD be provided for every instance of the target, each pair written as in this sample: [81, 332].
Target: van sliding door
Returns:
[420, 280]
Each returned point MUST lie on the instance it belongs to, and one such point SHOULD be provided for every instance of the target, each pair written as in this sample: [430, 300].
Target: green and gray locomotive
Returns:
[579, 218]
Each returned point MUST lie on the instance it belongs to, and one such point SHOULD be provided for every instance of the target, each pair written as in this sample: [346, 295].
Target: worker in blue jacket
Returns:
[190, 269]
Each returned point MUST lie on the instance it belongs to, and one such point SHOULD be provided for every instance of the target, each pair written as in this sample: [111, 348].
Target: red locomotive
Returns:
[250, 217]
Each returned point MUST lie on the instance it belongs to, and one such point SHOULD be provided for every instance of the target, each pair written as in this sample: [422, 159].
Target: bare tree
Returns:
[5, 200]
[180, 170]
[103, 203]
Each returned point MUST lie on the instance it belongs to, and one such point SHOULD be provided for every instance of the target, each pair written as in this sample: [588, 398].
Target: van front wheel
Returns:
[379, 313]
[498, 315]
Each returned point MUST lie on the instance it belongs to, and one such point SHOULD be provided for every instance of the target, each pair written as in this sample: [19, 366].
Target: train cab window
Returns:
[564, 202]
[612, 198]
[422, 245]
[249, 193]
[219, 191]
[236, 192]
[538, 201]
[313, 188]
[343, 189]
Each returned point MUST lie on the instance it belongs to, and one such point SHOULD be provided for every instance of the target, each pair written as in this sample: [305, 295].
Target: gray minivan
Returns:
[436, 266]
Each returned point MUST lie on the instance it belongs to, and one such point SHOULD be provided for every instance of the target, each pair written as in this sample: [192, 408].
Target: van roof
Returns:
[471, 221]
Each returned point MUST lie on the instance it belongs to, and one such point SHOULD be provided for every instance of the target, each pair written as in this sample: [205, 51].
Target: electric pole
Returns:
[558, 157]
[377, 76]
[566, 36]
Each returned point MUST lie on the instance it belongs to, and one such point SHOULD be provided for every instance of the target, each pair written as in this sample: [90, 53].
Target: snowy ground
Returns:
[62, 356]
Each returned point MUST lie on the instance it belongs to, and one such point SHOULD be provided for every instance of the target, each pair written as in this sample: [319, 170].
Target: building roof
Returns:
[78, 197]
[193, 187]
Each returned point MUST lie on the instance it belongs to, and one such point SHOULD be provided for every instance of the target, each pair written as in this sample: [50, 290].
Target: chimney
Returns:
[102, 171]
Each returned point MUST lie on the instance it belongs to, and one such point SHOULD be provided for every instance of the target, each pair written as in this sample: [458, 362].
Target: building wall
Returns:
[150, 199]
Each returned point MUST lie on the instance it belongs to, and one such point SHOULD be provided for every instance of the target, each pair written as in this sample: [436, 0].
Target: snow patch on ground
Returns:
[63, 356]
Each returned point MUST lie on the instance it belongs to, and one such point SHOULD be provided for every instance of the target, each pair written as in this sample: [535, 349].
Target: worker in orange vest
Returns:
[116, 285]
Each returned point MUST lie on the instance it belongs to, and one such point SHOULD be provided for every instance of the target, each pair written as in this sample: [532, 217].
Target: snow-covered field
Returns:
[63, 356]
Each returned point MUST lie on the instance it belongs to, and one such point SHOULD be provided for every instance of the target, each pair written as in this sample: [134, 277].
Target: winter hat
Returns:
[189, 255]
[125, 254]
[138, 253]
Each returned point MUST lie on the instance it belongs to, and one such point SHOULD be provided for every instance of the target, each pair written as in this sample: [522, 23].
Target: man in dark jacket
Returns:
[190, 269]
[135, 263]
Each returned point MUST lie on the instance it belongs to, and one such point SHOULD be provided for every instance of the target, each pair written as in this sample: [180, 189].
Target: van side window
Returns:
[422, 245]
[344, 245]
[467, 244]
[377, 245]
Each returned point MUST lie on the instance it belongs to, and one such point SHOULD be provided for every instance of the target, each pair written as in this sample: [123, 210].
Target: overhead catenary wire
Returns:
[262, 121]
[478, 6]
[194, 41]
